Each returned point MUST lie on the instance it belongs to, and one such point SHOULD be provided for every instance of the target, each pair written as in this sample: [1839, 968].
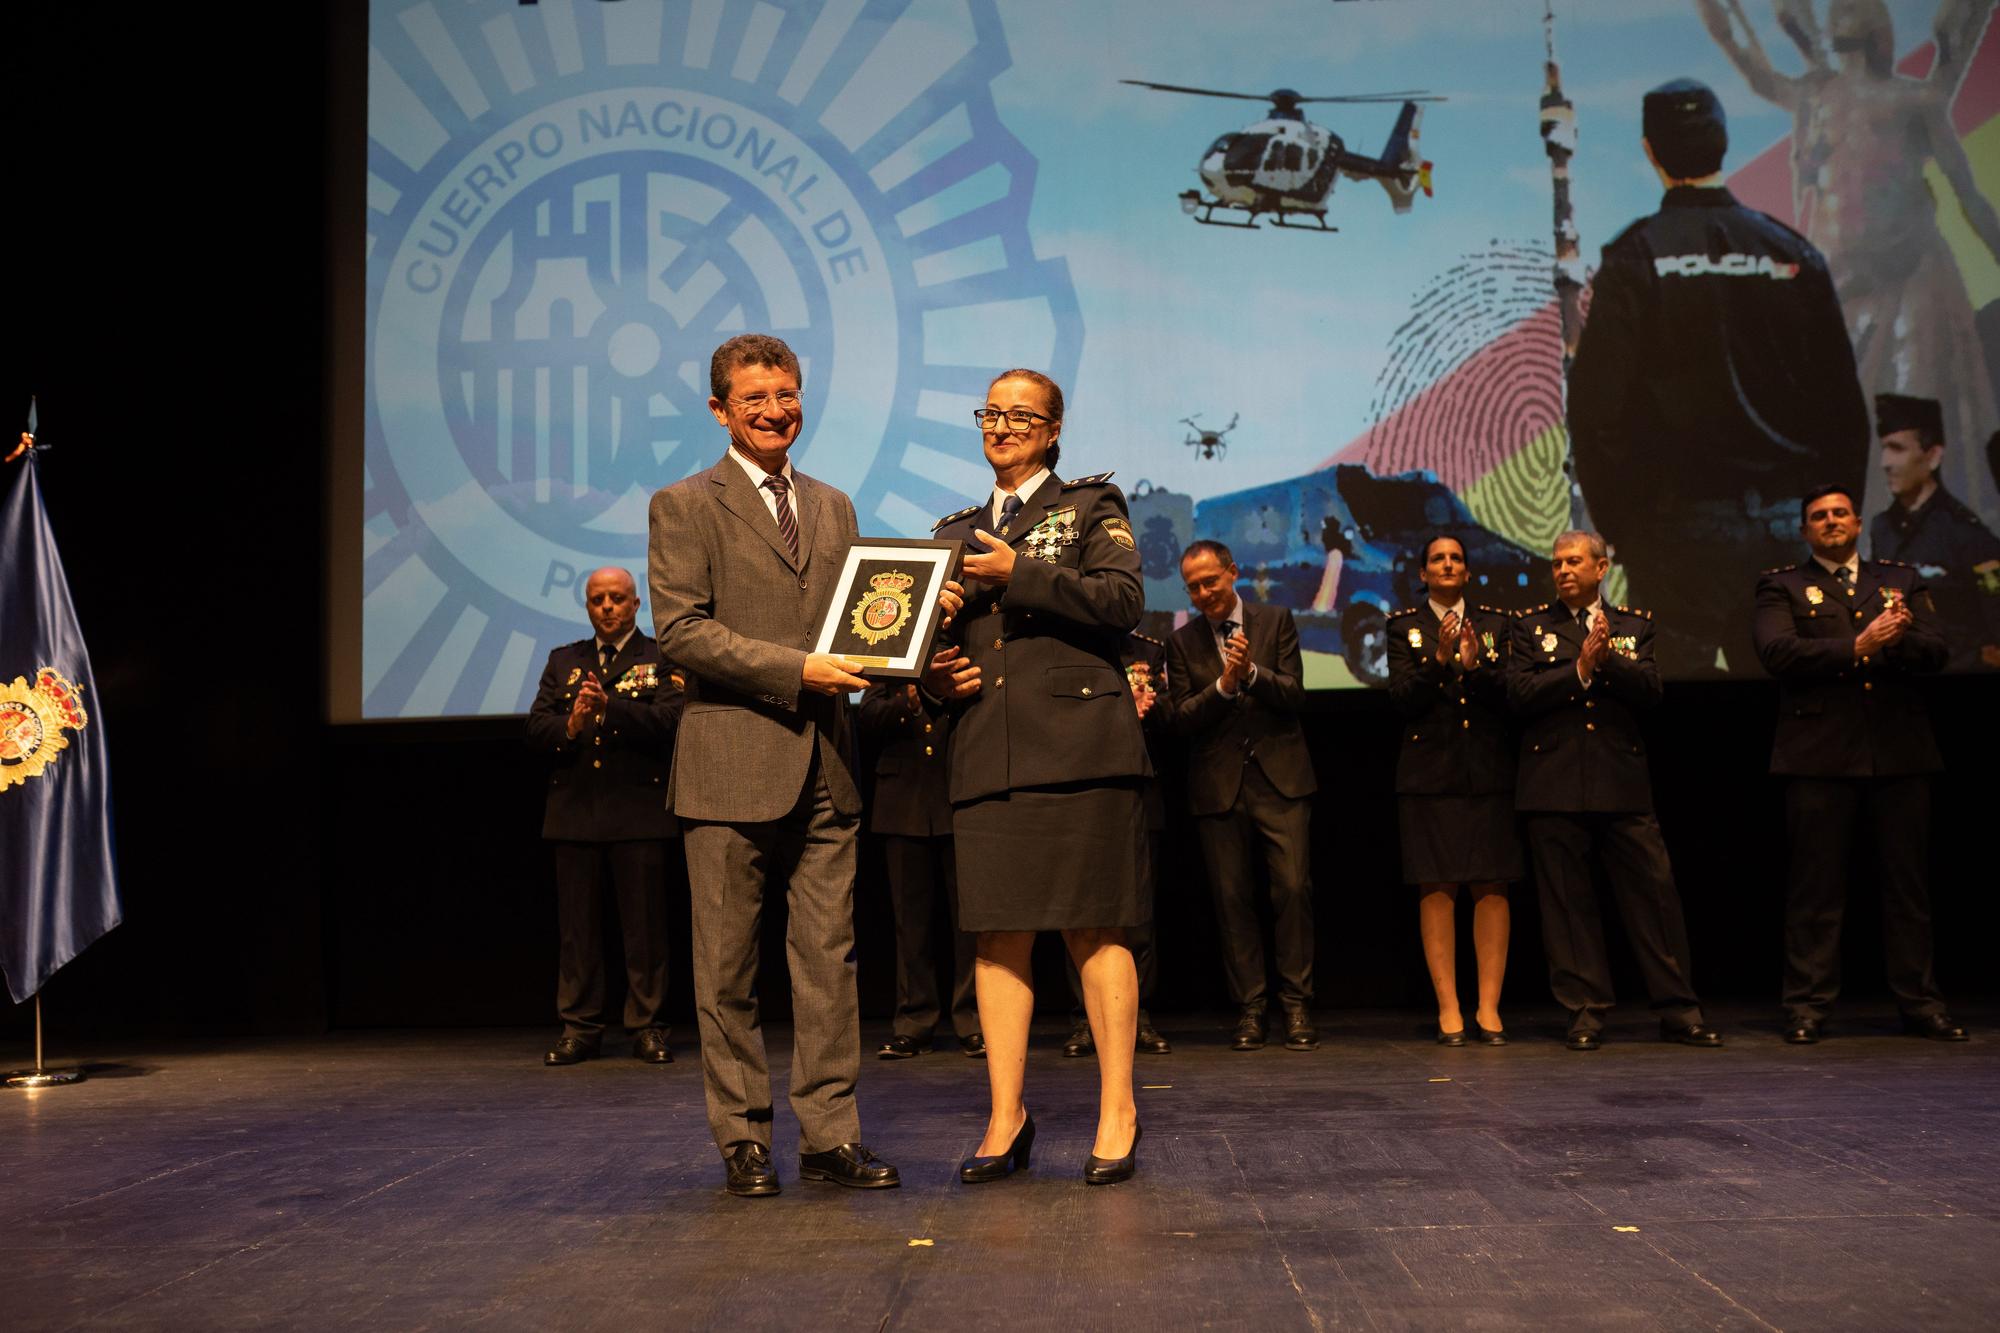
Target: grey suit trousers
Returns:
[730, 867]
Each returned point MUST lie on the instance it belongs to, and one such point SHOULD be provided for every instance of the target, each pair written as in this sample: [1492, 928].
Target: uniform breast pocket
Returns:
[1085, 682]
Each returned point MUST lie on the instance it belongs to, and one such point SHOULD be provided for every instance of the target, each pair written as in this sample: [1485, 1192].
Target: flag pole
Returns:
[41, 1076]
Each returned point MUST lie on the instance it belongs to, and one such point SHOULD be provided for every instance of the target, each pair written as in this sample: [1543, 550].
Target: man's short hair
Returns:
[1203, 546]
[1437, 537]
[1576, 536]
[1684, 122]
[748, 349]
[1820, 493]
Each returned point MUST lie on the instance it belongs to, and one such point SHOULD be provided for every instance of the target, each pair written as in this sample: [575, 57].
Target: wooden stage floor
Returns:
[393, 1180]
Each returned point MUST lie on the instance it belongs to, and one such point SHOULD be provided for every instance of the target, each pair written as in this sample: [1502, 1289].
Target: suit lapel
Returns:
[806, 494]
[1205, 661]
[1867, 591]
[740, 498]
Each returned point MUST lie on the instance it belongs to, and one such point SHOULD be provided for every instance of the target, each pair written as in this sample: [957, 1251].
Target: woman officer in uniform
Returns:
[1047, 761]
[1455, 781]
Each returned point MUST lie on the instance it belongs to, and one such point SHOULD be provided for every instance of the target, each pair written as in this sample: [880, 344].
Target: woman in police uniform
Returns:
[1047, 761]
[1455, 781]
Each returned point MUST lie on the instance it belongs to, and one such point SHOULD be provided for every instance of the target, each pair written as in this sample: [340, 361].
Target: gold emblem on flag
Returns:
[32, 722]
[885, 608]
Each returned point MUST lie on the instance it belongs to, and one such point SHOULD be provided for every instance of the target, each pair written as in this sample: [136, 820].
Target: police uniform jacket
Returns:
[911, 762]
[609, 782]
[1053, 707]
[1714, 340]
[1457, 732]
[1259, 725]
[1838, 717]
[1581, 750]
[1958, 558]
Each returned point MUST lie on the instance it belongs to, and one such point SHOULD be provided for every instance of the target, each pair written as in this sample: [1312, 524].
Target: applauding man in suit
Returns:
[1233, 682]
[742, 561]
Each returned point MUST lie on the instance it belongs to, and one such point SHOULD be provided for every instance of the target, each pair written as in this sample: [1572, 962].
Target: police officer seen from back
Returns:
[1713, 384]
[1927, 527]
[605, 715]
[1580, 675]
[1847, 639]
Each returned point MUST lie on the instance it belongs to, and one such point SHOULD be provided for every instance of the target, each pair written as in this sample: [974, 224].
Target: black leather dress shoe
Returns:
[974, 1046]
[570, 1051]
[1300, 1034]
[1802, 1032]
[1936, 1027]
[1692, 1034]
[1150, 1041]
[1584, 1039]
[899, 1048]
[1489, 1036]
[849, 1164]
[1451, 1038]
[1080, 1042]
[981, 1170]
[1110, 1170]
[748, 1172]
[651, 1046]
[1249, 1034]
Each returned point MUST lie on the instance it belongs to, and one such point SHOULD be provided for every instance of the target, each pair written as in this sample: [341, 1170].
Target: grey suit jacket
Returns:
[739, 614]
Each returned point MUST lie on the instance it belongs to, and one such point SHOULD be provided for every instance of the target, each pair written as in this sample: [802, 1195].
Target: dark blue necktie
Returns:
[1009, 506]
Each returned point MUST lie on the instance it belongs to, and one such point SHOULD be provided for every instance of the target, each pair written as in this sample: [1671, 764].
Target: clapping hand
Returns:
[1447, 637]
[583, 709]
[1884, 629]
[952, 675]
[995, 564]
[1235, 662]
[1596, 647]
[1468, 646]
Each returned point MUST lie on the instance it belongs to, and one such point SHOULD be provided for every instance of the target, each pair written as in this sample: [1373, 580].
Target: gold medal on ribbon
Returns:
[885, 608]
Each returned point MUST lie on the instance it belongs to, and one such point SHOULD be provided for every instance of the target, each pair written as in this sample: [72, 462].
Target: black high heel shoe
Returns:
[979, 1170]
[1486, 1036]
[1110, 1170]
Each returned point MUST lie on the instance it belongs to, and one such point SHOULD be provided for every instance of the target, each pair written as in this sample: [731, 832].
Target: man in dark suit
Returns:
[911, 814]
[1233, 680]
[1579, 676]
[1847, 639]
[605, 714]
[742, 561]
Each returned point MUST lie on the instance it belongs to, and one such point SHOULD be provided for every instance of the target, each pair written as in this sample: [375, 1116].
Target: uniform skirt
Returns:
[1459, 839]
[1052, 858]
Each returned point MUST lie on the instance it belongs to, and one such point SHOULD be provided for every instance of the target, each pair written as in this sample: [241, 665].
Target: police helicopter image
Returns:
[1206, 442]
[1286, 166]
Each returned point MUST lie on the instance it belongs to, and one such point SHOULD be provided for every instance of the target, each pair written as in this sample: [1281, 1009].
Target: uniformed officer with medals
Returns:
[1455, 781]
[1047, 760]
[1579, 676]
[1848, 640]
[605, 716]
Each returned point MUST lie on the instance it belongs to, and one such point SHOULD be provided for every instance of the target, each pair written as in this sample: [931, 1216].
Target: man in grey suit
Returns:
[742, 562]
[1234, 684]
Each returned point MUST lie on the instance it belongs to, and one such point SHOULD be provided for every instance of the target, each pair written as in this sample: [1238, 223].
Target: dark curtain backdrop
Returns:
[170, 284]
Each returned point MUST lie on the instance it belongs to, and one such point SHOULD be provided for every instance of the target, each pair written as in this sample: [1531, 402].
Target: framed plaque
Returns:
[886, 612]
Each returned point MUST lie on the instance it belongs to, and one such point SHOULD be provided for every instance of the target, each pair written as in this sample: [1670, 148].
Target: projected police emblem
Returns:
[569, 206]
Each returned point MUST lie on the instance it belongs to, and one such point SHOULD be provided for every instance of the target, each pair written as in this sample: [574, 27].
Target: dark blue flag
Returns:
[58, 886]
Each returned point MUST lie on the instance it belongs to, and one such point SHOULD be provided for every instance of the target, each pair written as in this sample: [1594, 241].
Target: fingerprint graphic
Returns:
[1472, 391]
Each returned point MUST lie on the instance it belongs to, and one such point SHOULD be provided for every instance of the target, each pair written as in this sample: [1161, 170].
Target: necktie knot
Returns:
[778, 483]
[1009, 506]
[1229, 627]
[1583, 618]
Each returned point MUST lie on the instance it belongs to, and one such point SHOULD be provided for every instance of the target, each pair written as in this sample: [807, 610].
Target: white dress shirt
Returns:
[757, 474]
[1000, 494]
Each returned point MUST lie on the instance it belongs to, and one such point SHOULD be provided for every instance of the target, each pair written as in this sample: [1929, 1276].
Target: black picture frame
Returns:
[887, 599]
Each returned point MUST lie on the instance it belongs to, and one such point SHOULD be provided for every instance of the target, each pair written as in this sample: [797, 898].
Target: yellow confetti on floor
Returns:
[1440, 1080]
[1154, 1087]
[914, 1241]
[1624, 1228]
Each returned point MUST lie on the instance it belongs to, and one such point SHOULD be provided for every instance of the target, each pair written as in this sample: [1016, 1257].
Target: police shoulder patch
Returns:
[1097, 480]
[966, 512]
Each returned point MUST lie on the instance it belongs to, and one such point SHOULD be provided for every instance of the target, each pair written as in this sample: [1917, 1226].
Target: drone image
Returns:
[1286, 166]
[1205, 442]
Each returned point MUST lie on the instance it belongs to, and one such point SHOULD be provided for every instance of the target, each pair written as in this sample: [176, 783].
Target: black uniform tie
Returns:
[606, 652]
[788, 524]
[1009, 506]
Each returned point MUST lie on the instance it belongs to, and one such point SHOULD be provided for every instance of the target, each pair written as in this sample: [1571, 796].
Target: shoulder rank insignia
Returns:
[1099, 479]
[1535, 610]
[1781, 569]
[1893, 564]
[1405, 611]
[1490, 610]
[966, 512]
[1147, 638]
[1635, 611]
